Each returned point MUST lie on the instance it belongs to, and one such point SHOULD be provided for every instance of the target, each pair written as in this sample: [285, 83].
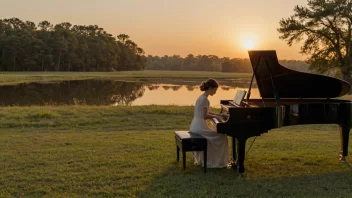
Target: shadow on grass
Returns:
[192, 182]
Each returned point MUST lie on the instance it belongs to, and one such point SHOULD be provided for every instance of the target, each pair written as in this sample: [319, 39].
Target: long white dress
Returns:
[217, 153]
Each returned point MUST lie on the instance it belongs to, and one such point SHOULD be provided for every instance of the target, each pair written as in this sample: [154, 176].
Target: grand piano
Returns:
[288, 97]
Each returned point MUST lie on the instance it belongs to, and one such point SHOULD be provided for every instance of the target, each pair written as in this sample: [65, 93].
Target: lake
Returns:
[113, 93]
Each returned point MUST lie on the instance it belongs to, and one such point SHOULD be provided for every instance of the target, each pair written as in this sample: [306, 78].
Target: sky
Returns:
[225, 28]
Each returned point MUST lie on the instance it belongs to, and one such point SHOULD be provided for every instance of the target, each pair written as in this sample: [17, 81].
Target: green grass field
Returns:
[148, 75]
[89, 151]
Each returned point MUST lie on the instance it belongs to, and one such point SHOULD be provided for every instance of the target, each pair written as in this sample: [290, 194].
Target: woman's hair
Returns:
[210, 83]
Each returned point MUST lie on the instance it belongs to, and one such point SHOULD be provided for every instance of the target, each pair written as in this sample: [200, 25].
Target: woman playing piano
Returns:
[217, 155]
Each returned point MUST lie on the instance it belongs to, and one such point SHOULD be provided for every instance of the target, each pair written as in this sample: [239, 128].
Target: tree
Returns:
[122, 38]
[227, 67]
[45, 26]
[325, 26]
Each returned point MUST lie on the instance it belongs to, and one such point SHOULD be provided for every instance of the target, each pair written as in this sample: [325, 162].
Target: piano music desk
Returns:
[188, 141]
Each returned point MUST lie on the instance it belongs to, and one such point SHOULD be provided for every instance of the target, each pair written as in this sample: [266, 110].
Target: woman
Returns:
[217, 154]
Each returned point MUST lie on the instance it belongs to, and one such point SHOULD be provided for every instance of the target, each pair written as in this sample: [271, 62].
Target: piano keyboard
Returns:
[215, 121]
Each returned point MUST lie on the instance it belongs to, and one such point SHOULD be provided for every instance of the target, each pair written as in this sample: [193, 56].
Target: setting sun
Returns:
[248, 44]
[248, 40]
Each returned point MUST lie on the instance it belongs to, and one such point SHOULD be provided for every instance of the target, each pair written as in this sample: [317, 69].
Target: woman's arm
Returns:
[224, 116]
[210, 115]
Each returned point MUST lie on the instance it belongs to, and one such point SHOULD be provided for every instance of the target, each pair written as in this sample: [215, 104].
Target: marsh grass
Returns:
[88, 151]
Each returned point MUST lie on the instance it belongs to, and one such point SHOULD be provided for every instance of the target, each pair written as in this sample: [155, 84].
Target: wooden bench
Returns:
[188, 141]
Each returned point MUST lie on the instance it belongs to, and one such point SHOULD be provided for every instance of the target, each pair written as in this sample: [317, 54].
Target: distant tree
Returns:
[45, 26]
[189, 63]
[227, 67]
[123, 38]
[325, 26]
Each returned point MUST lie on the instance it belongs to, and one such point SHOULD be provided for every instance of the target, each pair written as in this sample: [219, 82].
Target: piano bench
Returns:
[188, 141]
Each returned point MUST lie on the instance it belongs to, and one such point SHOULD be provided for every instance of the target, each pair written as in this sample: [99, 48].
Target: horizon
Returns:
[224, 29]
[195, 55]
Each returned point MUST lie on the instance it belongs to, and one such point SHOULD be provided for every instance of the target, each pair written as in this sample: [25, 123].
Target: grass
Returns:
[7, 78]
[88, 151]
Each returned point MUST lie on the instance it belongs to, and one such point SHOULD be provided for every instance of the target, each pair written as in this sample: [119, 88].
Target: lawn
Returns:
[90, 151]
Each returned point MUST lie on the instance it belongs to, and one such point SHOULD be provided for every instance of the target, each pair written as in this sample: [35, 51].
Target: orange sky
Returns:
[165, 27]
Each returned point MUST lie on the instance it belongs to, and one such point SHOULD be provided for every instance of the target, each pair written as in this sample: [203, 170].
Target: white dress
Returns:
[217, 152]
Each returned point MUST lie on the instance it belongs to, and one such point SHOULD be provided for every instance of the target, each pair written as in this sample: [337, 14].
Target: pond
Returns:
[113, 93]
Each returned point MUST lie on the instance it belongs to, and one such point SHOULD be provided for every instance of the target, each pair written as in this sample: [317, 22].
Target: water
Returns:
[108, 92]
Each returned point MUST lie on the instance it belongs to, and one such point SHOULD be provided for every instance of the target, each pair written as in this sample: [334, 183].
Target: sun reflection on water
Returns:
[168, 94]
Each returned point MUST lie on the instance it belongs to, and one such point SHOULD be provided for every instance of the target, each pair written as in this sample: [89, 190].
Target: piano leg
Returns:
[344, 135]
[234, 154]
[241, 151]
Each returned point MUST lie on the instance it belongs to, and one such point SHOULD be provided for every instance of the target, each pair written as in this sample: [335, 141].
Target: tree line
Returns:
[25, 46]
[212, 63]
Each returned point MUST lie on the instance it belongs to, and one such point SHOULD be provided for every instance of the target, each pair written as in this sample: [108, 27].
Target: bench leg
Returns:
[205, 160]
[178, 153]
[184, 159]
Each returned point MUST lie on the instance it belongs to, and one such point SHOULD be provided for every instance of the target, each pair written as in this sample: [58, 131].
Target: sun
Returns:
[248, 44]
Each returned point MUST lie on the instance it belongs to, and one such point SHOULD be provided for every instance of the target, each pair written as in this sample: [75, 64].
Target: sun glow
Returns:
[248, 40]
[248, 44]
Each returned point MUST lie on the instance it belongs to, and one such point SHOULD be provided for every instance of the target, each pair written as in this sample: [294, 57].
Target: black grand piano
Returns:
[288, 98]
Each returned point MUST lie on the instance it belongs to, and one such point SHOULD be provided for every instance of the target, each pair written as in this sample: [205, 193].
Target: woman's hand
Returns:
[219, 118]
[225, 116]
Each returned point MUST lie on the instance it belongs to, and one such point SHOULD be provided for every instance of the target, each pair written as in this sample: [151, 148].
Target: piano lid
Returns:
[289, 83]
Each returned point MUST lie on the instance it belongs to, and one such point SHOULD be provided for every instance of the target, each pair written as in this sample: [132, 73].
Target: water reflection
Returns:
[85, 92]
[187, 95]
[190, 87]
[225, 88]
[106, 92]
[153, 87]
